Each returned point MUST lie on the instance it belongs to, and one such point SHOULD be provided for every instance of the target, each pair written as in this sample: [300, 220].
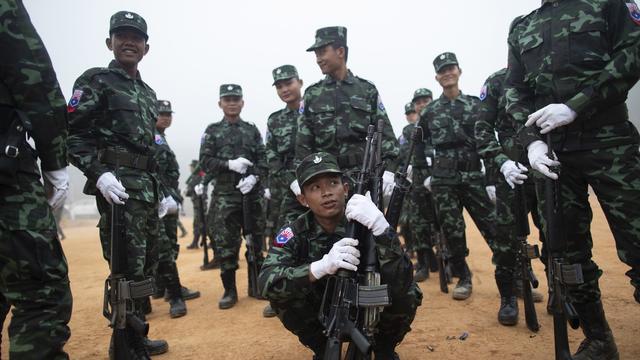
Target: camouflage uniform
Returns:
[33, 268]
[194, 179]
[585, 54]
[223, 141]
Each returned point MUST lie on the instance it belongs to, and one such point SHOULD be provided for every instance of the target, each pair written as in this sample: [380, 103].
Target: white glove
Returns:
[427, 183]
[239, 165]
[388, 182]
[163, 207]
[56, 184]
[246, 184]
[361, 209]
[198, 189]
[111, 189]
[537, 153]
[172, 205]
[295, 187]
[551, 116]
[410, 174]
[483, 170]
[491, 191]
[343, 255]
[429, 161]
[267, 194]
[513, 173]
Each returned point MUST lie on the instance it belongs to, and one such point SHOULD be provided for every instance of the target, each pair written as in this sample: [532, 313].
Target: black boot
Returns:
[137, 349]
[194, 243]
[432, 261]
[422, 269]
[213, 264]
[508, 313]
[177, 307]
[463, 288]
[155, 347]
[230, 296]
[599, 343]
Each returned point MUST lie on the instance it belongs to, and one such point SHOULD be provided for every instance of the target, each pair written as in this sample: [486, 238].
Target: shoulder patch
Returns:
[75, 100]
[380, 104]
[301, 107]
[402, 140]
[283, 237]
[158, 139]
[203, 138]
[483, 92]
[634, 12]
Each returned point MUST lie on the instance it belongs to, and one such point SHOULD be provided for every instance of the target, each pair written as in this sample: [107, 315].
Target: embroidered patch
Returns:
[159, 140]
[285, 235]
[380, 104]
[301, 108]
[483, 93]
[75, 100]
[402, 140]
[635, 12]
[203, 138]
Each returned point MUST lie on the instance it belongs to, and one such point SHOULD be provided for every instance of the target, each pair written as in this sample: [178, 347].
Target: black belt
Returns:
[226, 178]
[460, 165]
[126, 159]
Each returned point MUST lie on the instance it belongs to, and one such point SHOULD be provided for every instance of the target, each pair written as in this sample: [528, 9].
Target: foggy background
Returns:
[197, 45]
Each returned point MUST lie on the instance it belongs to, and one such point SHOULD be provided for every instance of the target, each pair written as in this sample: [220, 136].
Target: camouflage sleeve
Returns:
[280, 276]
[83, 135]
[486, 142]
[623, 70]
[396, 269]
[305, 142]
[390, 147]
[271, 153]
[208, 160]
[27, 73]
[260, 166]
[424, 147]
[403, 149]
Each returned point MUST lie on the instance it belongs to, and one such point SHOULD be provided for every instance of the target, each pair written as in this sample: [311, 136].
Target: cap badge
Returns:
[166, 103]
[442, 56]
[317, 159]
[278, 71]
[128, 16]
[229, 87]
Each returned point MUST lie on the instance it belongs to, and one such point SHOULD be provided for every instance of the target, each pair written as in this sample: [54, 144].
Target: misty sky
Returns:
[197, 45]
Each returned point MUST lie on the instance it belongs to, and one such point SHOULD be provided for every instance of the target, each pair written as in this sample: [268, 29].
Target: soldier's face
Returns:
[412, 117]
[325, 195]
[289, 90]
[231, 105]
[421, 103]
[163, 121]
[128, 46]
[448, 76]
[329, 59]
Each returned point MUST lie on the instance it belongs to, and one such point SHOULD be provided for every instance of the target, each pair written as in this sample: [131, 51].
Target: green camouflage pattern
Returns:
[316, 164]
[194, 179]
[421, 92]
[584, 54]
[335, 120]
[444, 59]
[33, 269]
[230, 90]
[164, 106]
[329, 35]
[284, 280]
[168, 168]
[284, 72]
[409, 108]
[128, 19]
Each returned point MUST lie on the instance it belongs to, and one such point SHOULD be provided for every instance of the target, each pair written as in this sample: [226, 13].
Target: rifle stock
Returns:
[402, 185]
[248, 230]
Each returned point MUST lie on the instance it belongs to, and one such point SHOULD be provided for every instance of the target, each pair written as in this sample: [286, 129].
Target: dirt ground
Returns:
[242, 333]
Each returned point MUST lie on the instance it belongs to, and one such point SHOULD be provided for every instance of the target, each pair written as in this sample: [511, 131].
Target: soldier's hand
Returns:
[246, 184]
[111, 189]
[427, 183]
[537, 153]
[163, 207]
[361, 209]
[267, 194]
[491, 192]
[172, 205]
[239, 165]
[295, 187]
[56, 185]
[551, 116]
[388, 182]
[343, 255]
[513, 173]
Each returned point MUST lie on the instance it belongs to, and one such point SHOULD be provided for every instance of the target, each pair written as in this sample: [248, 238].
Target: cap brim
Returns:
[446, 64]
[320, 44]
[320, 172]
[130, 27]
[286, 78]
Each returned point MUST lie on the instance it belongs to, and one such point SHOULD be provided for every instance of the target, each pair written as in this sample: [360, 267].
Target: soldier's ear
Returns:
[346, 188]
[146, 48]
[302, 200]
[220, 104]
[108, 42]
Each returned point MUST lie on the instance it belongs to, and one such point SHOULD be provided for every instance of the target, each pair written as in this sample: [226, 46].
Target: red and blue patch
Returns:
[159, 140]
[635, 12]
[483, 93]
[301, 108]
[75, 101]
[285, 235]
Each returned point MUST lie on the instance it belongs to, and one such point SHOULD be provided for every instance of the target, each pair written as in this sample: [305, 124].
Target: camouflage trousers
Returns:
[272, 211]
[228, 224]
[300, 316]
[34, 280]
[614, 175]
[167, 272]
[421, 214]
[197, 217]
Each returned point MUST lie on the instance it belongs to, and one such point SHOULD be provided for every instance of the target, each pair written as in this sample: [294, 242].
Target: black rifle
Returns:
[119, 292]
[402, 185]
[203, 218]
[560, 273]
[526, 253]
[248, 229]
[442, 250]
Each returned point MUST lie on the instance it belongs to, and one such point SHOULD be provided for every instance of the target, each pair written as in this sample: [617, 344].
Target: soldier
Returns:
[112, 115]
[294, 274]
[405, 228]
[167, 276]
[33, 270]
[195, 179]
[497, 155]
[571, 65]
[456, 178]
[233, 153]
[339, 109]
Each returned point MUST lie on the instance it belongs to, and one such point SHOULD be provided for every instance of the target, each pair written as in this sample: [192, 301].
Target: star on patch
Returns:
[283, 237]
[483, 93]
[158, 139]
[75, 100]
[634, 12]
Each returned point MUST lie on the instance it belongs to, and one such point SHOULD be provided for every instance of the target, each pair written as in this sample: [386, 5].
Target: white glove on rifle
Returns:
[239, 165]
[388, 182]
[537, 153]
[267, 194]
[343, 255]
[427, 183]
[172, 205]
[551, 116]
[491, 192]
[56, 184]
[111, 189]
[246, 184]
[198, 189]
[167, 206]
[361, 209]
[513, 173]
[295, 187]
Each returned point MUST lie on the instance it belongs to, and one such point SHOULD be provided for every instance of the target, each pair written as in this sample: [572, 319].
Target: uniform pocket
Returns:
[323, 123]
[531, 53]
[124, 115]
[587, 44]
[362, 113]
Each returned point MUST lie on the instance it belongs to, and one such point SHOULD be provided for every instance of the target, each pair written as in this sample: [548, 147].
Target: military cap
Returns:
[230, 90]
[329, 35]
[164, 106]
[284, 72]
[316, 164]
[194, 163]
[444, 59]
[409, 108]
[422, 92]
[128, 19]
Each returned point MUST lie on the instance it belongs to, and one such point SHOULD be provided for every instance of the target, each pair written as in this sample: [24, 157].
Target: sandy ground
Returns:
[242, 333]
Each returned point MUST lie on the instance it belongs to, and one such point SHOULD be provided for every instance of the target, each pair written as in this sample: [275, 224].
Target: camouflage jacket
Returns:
[285, 271]
[168, 168]
[223, 141]
[194, 179]
[448, 130]
[116, 112]
[280, 145]
[28, 83]
[583, 53]
[336, 117]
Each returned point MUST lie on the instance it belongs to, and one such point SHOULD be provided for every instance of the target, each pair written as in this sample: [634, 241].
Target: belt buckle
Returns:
[11, 151]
